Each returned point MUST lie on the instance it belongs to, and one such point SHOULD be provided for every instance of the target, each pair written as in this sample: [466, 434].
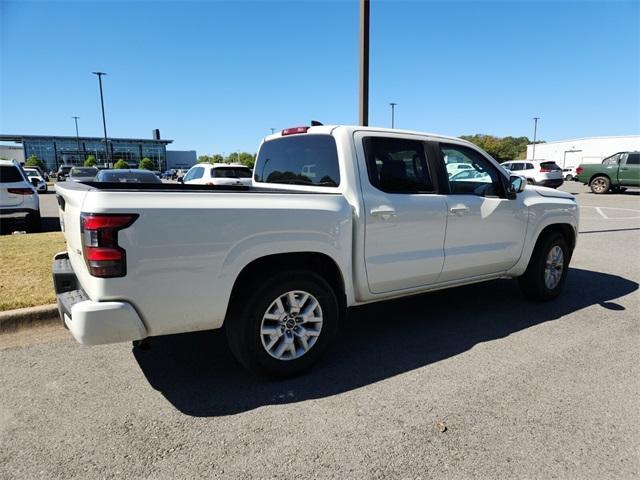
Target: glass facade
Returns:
[56, 151]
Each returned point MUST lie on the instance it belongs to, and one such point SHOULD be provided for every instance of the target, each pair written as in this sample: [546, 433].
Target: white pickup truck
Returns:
[337, 216]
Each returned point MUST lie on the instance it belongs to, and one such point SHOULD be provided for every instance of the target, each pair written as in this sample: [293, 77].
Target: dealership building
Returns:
[571, 153]
[58, 150]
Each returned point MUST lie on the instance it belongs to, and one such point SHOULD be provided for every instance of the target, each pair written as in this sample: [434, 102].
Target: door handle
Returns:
[383, 212]
[459, 210]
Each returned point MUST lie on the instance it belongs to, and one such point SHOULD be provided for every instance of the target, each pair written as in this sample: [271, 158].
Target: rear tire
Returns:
[34, 223]
[547, 270]
[531, 181]
[568, 178]
[274, 334]
[600, 185]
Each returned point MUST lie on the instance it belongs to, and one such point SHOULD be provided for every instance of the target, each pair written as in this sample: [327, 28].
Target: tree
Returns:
[217, 158]
[121, 164]
[247, 159]
[90, 161]
[34, 161]
[146, 164]
[204, 159]
[502, 149]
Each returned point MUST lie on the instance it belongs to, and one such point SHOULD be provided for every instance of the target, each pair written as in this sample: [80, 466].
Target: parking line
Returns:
[599, 210]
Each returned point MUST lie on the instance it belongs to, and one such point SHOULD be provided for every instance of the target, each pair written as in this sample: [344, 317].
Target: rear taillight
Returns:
[579, 170]
[104, 257]
[294, 130]
[544, 170]
[20, 191]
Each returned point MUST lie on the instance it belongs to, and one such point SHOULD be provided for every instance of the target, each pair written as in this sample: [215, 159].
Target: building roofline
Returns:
[569, 140]
[21, 138]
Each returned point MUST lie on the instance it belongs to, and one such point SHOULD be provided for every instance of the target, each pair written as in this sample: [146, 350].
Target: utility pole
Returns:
[272, 130]
[364, 63]
[104, 121]
[77, 137]
[393, 113]
[535, 133]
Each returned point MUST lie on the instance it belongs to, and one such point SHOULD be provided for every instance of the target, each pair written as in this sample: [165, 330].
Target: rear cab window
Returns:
[307, 159]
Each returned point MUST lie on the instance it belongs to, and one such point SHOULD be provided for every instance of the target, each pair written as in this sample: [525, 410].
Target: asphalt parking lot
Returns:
[525, 390]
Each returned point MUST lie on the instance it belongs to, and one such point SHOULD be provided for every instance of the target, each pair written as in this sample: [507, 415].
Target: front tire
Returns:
[284, 324]
[531, 181]
[547, 270]
[600, 185]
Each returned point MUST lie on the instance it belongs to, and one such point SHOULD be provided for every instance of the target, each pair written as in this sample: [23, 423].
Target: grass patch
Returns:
[25, 277]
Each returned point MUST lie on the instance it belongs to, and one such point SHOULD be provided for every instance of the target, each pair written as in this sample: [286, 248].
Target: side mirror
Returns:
[516, 185]
[181, 180]
[34, 182]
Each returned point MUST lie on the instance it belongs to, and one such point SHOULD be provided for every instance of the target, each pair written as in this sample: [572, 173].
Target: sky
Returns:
[217, 76]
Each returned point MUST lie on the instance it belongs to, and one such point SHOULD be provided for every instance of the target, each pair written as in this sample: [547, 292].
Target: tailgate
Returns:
[69, 207]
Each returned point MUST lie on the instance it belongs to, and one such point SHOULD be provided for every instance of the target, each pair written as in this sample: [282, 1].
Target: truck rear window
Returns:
[299, 160]
[10, 174]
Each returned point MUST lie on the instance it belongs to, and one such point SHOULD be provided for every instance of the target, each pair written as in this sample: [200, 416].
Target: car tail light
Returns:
[20, 191]
[544, 170]
[294, 130]
[579, 170]
[104, 257]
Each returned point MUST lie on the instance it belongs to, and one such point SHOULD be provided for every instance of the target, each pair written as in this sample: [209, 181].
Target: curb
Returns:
[11, 320]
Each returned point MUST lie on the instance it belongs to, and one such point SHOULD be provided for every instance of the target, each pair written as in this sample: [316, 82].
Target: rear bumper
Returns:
[92, 323]
[16, 212]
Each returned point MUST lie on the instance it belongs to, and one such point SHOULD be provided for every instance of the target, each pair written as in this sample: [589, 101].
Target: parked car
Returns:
[127, 176]
[19, 200]
[615, 173]
[36, 179]
[157, 173]
[63, 172]
[42, 174]
[221, 174]
[537, 172]
[456, 167]
[569, 173]
[279, 262]
[83, 174]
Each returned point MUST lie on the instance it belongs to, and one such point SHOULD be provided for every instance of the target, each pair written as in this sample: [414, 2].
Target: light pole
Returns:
[535, 133]
[272, 130]
[393, 113]
[364, 62]
[104, 121]
[77, 137]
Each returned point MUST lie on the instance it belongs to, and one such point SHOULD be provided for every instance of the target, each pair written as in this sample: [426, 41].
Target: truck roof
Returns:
[328, 129]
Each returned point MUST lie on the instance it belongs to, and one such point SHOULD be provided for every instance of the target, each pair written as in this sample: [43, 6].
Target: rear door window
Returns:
[299, 160]
[397, 165]
[10, 174]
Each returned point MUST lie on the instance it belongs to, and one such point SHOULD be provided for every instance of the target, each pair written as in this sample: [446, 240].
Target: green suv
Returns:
[614, 173]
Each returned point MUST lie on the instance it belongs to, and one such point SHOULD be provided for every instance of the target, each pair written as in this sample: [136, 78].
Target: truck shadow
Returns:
[198, 375]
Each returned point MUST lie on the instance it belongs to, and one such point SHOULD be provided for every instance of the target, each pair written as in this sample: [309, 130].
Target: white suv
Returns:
[39, 183]
[18, 197]
[217, 174]
[537, 172]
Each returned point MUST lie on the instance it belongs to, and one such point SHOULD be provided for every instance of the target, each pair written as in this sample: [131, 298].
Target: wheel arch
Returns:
[564, 229]
[319, 263]
[599, 174]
